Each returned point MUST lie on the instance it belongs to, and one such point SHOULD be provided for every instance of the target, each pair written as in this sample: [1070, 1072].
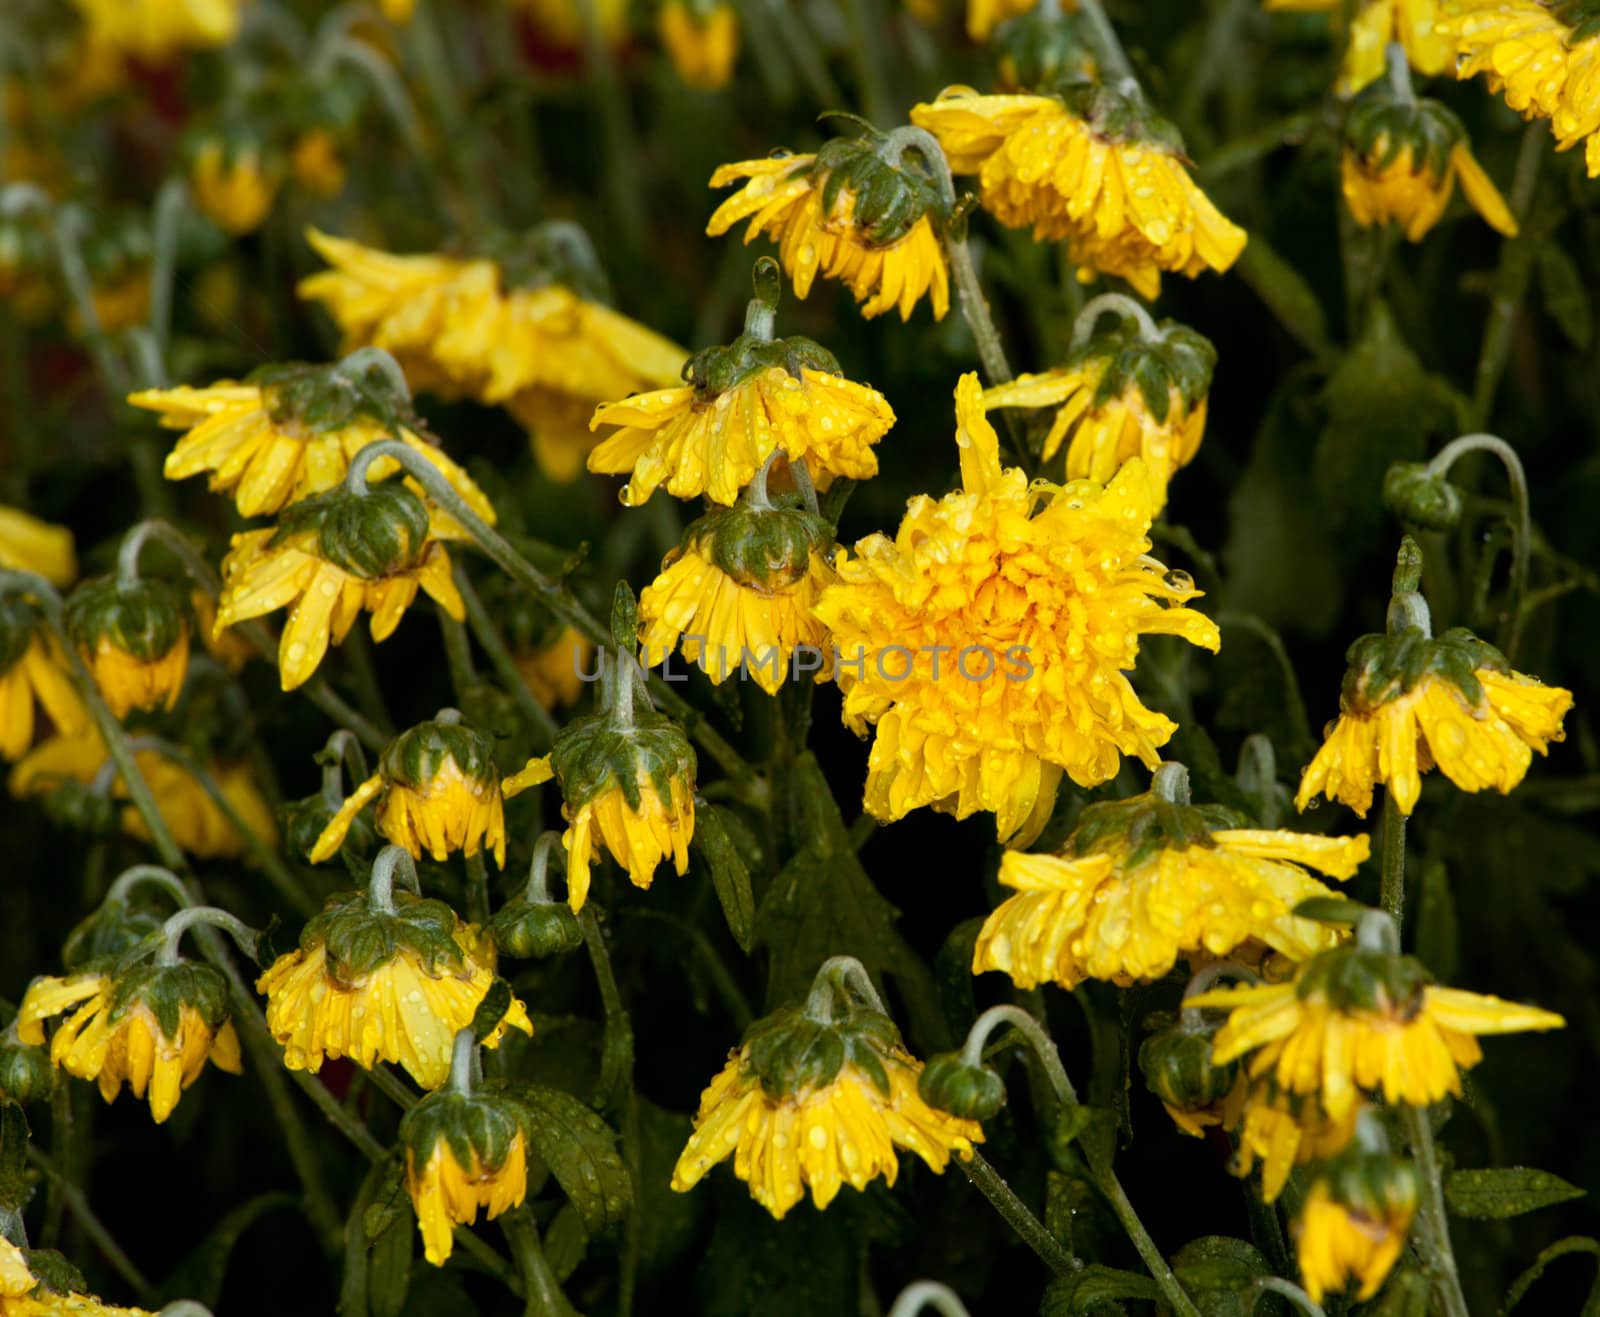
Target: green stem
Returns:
[477, 889]
[801, 46]
[63, 1140]
[93, 1227]
[1113, 59]
[1016, 1214]
[975, 310]
[866, 28]
[928, 1294]
[1516, 264]
[457, 655]
[1433, 1233]
[616, 1058]
[543, 1293]
[1392, 888]
[611, 103]
[357, 650]
[1117, 1196]
[537, 717]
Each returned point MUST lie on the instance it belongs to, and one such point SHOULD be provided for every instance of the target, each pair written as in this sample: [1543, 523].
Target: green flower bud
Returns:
[1177, 1068]
[951, 1083]
[104, 936]
[591, 756]
[791, 1052]
[144, 618]
[1421, 499]
[1040, 50]
[26, 1074]
[371, 535]
[760, 548]
[535, 929]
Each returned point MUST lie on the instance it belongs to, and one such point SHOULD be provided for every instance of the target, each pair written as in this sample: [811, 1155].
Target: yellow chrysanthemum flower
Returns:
[796, 1118]
[1053, 589]
[1144, 882]
[1411, 703]
[385, 978]
[30, 545]
[703, 42]
[1412, 23]
[291, 432]
[33, 670]
[738, 593]
[1122, 395]
[133, 637]
[1354, 1224]
[1092, 166]
[1283, 1131]
[743, 402]
[1360, 1019]
[983, 16]
[317, 164]
[156, 30]
[15, 1276]
[448, 1188]
[233, 189]
[1546, 67]
[627, 785]
[153, 1028]
[440, 793]
[852, 212]
[24, 1294]
[553, 671]
[330, 560]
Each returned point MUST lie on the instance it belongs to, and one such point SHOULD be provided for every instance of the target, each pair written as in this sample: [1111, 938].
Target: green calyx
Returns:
[478, 1128]
[1179, 361]
[1583, 17]
[359, 939]
[53, 1272]
[370, 536]
[1115, 115]
[792, 1052]
[26, 1074]
[950, 1083]
[1420, 497]
[555, 252]
[535, 929]
[1380, 126]
[591, 756]
[887, 199]
[1037, 49]
[107, 935]
[1146, 824]
[766, 549]
[413, 759]
[713, 371]
[18, 618]
[1356, 979]
[1177, 1068]
[144, 618]
[166, 989]
[1384, 667]
[1375, 1185]
[303, 399]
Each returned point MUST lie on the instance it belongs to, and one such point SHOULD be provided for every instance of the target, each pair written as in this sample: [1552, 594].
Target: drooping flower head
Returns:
[741, 404]
[1135, 391]
[738, 591]
[626, 782]
[154, 31]
[816, 1097]
[1412, 23]
[33, 672]
[133, 636]
[382, 975]
[1043, 47]
[1196, 1092]
[702, 39]
[1143, 882]
[30, 545]
[1402, 157]
[1283, 1130]
[1543, 56]
[1362, 1018]
[291, 431]
[988, 642]
[1354, 1223]
[857, 210]
[983, 16]
[1092, 165]
[329, 558]
[234, 179]
[438, 791]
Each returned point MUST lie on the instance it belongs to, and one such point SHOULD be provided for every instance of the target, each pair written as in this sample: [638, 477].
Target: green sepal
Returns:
[413, 759]
[1177, 1068]
[1372, 1184]
[99, 940]
[889, 198]
[1420, 497]
[767, 549]
[535, 929]
[950, 1083]
[492, 1009]
[483, 1124]
[1180, 360]
[556, 252]
[370, 536]
[144, 617]
[1119, 116]
[1357, 978]
[53, 1272]
[1384, 667]
[18, 618]
[1146, 824]
[590, 757]
[26, 1074]
[304, 399]
[713, 371]
[1040, 49]
[166, 989]
[624, 618]
[1380, 125]
[791, 1052]
[360, 939]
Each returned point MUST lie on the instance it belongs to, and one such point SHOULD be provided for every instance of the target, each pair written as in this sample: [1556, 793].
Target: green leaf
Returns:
[581, 1152]
[1332, 910]
[1287, 295]
[1438, 939]
[200, 1275]
[389, 1268]
[729, 875]
[1094, 1291]
[1565, 296]
[1525, 1282]
[1494, 1195]
[625, 619]
[1219, 1272]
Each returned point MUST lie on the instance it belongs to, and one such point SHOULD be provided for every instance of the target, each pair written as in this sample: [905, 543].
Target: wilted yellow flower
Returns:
[463, 1151]
[853, 212]
[390, 978]
[796, 1113]
[33, 670]
[983, 16]
[24, 1294]
[316, 163]
[552, 671]
[156, 30]
[1354, 1224]
[290, 432]
[1144, 882]
[440, 793]
[702, 40]
[738, 593]
[1091, 165]
[1122, 395]
[1356, 1019]
[1410, 703]
[743, 402]
[1052, 588]
[30, 545]
[120, 302]
[154, 1028]
[133, 637]
[1283, 1131]
[1547, 68]
[1413, 23]
[328, 562]
[234, 188]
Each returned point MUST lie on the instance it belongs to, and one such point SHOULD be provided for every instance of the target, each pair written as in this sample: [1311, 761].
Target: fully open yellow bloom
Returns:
[156, 30]
[38, 675]
[116, 1042]
[1052, 589]
[1478, 738]
[30, 545]
[1413, 23]
[1084, 167]
[405, 1009]
[22, 1294]
[703, 46]
[1283, 1131]
[1124, 908]
[1409, 193]
[251, 444]
[1354, 1020]
[445, 1192]
[1545, 67]
[552, 672]
[824, 230]
[820, 1137]
[234, 191]
[1337, 1242]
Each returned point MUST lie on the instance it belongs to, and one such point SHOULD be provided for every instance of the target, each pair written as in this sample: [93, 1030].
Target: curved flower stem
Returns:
[487, 634]
[341, 752]
[1511, 278]
[466, 1064]
[616, 1056]
[541, 1290]
[1015, 1213]
[64, 233]
[1118, 304]
[380, 881]
[1113, 59]
[928, 1294]
[1433, 1235]
[177, 925]
[152, 875]
[839, 975]
[477, 889]
[1290, 1291]
[611, 102]
[1518, 480]
[537, 889]
[501, 552]
[1392, 883]
[1043, 1046]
